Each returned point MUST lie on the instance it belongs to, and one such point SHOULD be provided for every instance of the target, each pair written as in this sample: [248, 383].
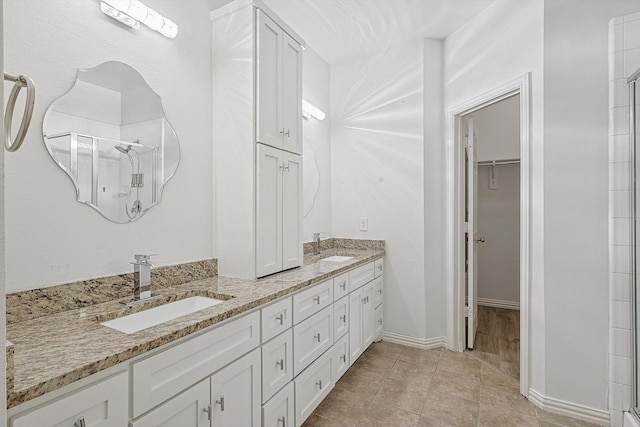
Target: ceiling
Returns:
[342, 29]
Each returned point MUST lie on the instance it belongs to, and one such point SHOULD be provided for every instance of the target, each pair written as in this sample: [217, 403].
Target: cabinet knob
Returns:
[379, 267]
[221, 403]
[380, 321]
[317, 337]
[344, 358]
[319, 384]
[285, 132]
[80, 423]
[380, 291]
[280, 364]
[282, 420]
[207, 410]
[344, 318]
[280, 318]
[343, 285]
[317, 299]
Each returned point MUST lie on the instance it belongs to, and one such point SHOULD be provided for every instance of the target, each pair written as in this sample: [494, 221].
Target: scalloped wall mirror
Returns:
[110, 135]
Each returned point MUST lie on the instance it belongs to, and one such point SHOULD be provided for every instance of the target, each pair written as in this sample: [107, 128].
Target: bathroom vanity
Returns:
[265, 357]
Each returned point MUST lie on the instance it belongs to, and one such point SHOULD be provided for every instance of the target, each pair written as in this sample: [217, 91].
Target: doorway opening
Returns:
[492, 234]
[456, 216]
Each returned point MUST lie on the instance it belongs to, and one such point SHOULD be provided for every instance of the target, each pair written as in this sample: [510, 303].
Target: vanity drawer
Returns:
[277, 364]
[312, 386]
[340, 318]
[377, 291]
[102, 404]
[168, 372]
[361, 275]
[340, 355]
[276, 318]
[311, 338]
[312, 300]
[379, 265]
[279, 411]
[340, 286]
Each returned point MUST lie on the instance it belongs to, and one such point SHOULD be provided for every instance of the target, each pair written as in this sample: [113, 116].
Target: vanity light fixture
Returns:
[132, 12]
[310, 110]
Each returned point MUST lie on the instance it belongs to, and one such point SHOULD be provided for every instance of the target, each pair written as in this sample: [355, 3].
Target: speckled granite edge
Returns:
[34, 303]
[346, 244]
[44, 361]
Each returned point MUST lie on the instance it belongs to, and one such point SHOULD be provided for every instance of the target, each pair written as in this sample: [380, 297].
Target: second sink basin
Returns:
[337, 258]
[154, 316]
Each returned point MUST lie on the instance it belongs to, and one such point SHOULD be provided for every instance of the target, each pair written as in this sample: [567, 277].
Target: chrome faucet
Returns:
[142, 277]
[316, 243]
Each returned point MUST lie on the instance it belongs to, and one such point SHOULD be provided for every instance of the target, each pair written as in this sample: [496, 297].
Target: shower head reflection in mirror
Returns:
[94, 131]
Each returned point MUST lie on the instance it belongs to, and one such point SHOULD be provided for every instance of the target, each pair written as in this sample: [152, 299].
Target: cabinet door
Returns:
[277, 364]
[340, 355]
[101, 405]
[368, 316]
[291, 211]
[311, 338]
[188, 409]
[268, 211]
[312, 386]
[269, 127]
[235, 393]
[377, 291]
[379, 323]
[340, 318]
[355, 325]
[291, 94]
[280, 410]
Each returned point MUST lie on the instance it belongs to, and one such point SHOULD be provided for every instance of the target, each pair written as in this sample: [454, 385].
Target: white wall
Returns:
[51, 238]
[317, 147]
[376, 159]
[576, 129]
[501, 44]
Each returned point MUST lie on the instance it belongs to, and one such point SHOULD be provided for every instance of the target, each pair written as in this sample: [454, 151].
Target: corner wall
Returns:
[50, 237]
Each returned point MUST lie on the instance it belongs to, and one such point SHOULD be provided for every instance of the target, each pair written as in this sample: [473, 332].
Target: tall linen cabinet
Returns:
[257, 128]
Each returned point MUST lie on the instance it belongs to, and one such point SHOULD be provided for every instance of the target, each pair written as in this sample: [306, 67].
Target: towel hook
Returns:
[20, 82]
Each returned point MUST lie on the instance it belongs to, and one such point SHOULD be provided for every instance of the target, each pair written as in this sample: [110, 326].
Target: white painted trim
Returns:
[509, 305]
[454, 217]
[424, 343]
[630, 420]
[569, 409]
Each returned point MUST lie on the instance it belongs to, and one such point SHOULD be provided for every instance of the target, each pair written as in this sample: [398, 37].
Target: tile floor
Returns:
[392, 385]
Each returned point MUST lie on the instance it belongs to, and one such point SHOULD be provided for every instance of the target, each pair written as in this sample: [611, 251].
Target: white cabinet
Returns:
[311, 338]
[276, 318]
[379, 323]
[162, 375]
[277, 364]
[361, 275]
[235, 393]
[258, 219]
[340, 355]
[280, 410]
[312, 386]
[361, 316]
[379, 265]
[312, 300]
[279, 87]
[340, 318]
[279, 211]
[188, 409]
[341, 286]
[101, 405]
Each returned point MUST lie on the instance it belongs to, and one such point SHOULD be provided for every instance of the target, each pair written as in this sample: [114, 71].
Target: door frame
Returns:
[454, 216]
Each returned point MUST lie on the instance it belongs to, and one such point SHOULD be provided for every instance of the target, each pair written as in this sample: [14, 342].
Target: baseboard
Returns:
[630, 420]
[569, 409]
[510, 305]
[425, 343]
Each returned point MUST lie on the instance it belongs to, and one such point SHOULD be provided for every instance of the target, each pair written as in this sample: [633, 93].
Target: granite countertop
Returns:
[52, 351]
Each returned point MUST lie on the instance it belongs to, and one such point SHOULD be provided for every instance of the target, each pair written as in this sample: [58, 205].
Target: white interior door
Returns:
[472, 235]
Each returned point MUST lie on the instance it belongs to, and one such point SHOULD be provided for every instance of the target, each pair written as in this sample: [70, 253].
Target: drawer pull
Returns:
[319, 384]
[280, 364]
[80, 423]
[379, 267]
[365, 300]
[221, 403]
[380, 321]
[280, 318]
[282, 420]
[317, 299]
[343, 358]
[317, 336]
[207, 410]
[343, 285]
[344, 318]
[380, 291]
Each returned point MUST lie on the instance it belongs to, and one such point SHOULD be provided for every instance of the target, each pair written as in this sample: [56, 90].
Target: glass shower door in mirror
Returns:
[634, 137]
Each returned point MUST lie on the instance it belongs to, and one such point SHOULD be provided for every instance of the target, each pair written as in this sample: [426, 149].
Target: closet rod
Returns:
[499, 162]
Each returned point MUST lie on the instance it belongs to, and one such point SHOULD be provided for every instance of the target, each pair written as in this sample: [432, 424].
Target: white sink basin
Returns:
[154, 316]
[337, 258]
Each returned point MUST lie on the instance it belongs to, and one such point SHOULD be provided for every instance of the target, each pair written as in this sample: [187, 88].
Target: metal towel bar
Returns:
[20, 82]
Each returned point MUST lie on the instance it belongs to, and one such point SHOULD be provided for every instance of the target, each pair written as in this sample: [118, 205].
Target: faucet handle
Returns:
[143, 259]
